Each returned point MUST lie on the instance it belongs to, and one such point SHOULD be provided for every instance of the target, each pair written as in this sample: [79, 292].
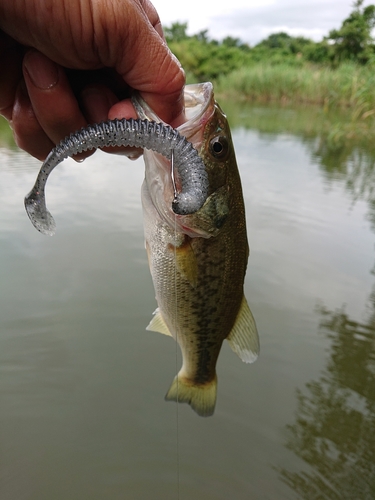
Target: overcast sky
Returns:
[254, 20]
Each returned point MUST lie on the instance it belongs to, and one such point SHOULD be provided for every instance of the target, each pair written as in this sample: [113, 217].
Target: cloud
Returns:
[254, 20]
[312, 20]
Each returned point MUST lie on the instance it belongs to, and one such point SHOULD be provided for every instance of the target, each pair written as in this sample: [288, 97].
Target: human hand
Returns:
[67, 63]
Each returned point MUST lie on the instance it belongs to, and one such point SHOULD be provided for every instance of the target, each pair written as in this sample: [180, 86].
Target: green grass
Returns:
[6, 135]
[347, 86]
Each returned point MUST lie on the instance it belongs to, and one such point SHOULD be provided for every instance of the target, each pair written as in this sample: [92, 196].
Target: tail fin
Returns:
[202, 398]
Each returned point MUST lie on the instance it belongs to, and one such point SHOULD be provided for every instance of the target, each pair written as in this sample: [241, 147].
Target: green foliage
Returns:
[353, 40]
[176, 32]
[202, 36]
[288, 44]
[338, 72]
[6, 136]
[235, 42]
[320, 52]
[207, 59]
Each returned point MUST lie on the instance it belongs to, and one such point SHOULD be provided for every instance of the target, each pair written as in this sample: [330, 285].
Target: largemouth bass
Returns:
[195, 233]
[198, 261]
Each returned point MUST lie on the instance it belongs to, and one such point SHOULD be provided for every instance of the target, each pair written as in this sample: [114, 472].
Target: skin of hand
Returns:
[67, 63]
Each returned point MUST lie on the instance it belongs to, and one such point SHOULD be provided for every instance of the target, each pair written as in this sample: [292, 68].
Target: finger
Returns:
[141, 57]
[125, 109]
[122, 109]
[54, 103]
[97, 101]
[27, 131]
[153, 17]
[10, 75]
[161, 84]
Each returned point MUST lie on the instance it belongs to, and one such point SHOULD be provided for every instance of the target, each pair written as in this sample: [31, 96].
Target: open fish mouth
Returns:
[198, 109]
[163, 180]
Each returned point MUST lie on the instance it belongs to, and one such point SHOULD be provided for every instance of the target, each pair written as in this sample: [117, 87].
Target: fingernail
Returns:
[43, 72]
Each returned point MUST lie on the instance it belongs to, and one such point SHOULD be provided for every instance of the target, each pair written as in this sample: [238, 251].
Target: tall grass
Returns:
[347, 86]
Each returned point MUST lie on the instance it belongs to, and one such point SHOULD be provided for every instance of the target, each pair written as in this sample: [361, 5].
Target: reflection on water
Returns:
[334, 428]
[333, 432]
[82, 413]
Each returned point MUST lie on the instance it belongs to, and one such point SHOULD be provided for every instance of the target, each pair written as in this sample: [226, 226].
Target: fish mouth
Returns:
[161, 185]
[199, 107]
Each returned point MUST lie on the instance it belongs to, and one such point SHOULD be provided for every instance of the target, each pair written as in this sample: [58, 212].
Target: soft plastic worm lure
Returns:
[146, 134]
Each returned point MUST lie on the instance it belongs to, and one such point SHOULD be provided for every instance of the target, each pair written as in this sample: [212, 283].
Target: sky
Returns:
[253, 20]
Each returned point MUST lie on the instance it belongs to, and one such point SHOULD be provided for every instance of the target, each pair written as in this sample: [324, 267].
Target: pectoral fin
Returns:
[157, 324]
[243, 337]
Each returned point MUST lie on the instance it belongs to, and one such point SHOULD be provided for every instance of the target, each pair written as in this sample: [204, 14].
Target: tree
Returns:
[176, 32]
[353, 41]
[279, 40]
[202, 36]
[333, 436]
[230, 41]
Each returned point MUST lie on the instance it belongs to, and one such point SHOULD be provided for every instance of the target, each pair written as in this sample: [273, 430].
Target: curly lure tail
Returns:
[146, 134]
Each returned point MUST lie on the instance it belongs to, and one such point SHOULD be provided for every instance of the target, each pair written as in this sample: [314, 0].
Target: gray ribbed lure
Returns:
[146, 134]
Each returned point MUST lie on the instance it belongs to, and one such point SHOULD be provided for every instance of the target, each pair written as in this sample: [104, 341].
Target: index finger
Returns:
[153, 17]
[143, 59]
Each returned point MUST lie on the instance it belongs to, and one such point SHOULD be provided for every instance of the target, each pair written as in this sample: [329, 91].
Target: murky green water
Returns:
[82, 384]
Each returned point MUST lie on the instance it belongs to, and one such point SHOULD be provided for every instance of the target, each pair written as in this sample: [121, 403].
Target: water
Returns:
[82, 383]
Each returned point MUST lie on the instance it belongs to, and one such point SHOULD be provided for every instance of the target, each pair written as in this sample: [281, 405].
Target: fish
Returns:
[195, 233]
[198, 261]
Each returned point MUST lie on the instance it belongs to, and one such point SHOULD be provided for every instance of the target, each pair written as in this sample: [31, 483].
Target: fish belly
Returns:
[199, 289]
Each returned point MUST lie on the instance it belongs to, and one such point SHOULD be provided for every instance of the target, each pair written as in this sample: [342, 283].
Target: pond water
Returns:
[82, 383]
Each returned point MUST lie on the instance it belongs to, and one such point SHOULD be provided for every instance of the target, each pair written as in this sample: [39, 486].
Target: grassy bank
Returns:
[349, 85]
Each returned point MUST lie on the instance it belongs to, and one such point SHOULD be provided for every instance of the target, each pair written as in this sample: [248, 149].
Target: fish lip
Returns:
[199, 107]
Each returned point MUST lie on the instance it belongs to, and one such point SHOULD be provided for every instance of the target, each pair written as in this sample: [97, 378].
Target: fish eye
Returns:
[219, 146]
